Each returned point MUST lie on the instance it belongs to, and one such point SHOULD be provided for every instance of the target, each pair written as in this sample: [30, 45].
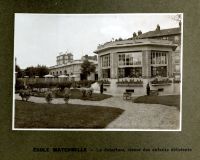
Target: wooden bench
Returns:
[127, 94]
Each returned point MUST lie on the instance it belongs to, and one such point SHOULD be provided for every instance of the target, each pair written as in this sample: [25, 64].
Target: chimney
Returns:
[158, 28]
[139, 32]
[134, 35]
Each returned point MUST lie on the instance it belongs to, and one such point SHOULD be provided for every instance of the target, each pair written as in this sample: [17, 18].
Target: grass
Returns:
[171, 100]
[76, 94]
[34, 115]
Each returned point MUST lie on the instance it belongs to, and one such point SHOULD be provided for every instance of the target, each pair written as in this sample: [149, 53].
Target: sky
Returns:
[39, 38]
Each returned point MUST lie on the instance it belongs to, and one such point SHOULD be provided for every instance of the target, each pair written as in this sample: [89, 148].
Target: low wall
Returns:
[114, 89]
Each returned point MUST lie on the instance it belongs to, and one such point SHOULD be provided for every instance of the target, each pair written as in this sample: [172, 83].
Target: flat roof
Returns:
[134, 42]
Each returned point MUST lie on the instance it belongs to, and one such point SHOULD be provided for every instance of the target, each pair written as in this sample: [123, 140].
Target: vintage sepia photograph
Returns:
[98, 72]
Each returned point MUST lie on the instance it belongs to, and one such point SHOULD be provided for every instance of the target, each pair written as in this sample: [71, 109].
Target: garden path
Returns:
[135, 115]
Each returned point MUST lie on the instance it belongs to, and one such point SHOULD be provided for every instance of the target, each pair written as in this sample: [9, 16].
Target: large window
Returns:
[130, 64]
[158, 57]
[105, 61]
[159, 71]
[158, 63]
[132, 72]
[130, 59]
[106, 73]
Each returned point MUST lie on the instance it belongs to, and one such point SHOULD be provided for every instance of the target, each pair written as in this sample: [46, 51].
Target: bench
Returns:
[160, 89]
[127, 94]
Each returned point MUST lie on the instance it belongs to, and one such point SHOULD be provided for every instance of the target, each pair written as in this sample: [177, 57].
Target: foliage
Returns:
[64, 85]
[87, 67]
[36, 71]
[49, 97]
[87, 92]
[67, 95]
[60, 85]
[84, 83]
[84, 93]
[161, 81]
[19, 85]
[19, 71]
[90, 91]
[24, 94]
[104, 81]
[131, 81]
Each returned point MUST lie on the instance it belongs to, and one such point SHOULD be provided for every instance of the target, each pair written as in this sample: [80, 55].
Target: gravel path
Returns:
[135, 116]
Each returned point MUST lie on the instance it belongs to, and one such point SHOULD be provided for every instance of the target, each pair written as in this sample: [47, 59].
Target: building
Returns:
[64, 58]
[72, 68]
[171, 34]
[136, 59]
[144, 58]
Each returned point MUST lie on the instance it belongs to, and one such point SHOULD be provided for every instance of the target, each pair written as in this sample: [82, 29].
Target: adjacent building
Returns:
[66, 65]
[173, 35]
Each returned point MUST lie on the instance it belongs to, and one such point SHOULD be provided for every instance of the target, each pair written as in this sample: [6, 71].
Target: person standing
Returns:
[101, 88]
[148, 89]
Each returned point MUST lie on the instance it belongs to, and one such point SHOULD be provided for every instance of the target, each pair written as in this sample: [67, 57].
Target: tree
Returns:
[87, 67]
[41, 71]
[36, 71]
[30, 71]
[176, 17]
[19, 71]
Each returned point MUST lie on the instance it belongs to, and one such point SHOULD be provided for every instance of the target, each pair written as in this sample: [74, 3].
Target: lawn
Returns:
[171, 100]
[35, 115]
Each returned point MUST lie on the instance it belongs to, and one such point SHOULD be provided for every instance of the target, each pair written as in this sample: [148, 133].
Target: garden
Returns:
[49, 115]
[130, 83]
[67, 90]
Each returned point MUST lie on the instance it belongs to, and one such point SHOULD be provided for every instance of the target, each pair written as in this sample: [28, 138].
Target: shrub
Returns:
[67, 95]
[49, 97]
[104, 81]
[24, 94]
[84, 83]
[84, 93]
[161, 81]
[64, 85]
[90, 91]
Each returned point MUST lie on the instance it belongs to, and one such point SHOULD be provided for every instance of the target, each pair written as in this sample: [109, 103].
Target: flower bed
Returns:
[161, 81]
[105, 82]
[130, 83]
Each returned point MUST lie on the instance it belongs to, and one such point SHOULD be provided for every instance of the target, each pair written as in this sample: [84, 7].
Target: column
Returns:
[99, 68]
[169, 66]
[114, 65]
[146, 64]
